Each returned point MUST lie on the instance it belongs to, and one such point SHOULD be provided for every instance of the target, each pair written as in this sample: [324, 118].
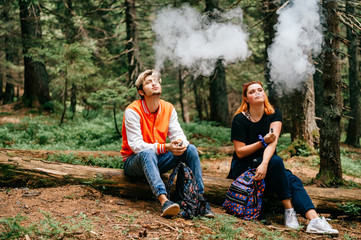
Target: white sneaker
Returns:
[291, 219]
[321, 226]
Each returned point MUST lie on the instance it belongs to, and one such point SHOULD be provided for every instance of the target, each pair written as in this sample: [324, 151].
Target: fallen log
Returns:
[28, 172]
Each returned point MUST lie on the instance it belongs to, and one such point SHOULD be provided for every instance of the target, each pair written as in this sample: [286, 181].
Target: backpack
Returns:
[243, 197]
[186, 193]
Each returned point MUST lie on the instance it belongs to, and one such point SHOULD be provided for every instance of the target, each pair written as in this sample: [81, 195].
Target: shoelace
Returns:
[324, 220]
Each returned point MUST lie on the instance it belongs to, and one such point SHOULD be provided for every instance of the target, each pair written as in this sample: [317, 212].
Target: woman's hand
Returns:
[269, 138]
[261, 171]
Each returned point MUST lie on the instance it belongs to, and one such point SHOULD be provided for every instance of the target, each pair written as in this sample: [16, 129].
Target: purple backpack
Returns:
[243, 197]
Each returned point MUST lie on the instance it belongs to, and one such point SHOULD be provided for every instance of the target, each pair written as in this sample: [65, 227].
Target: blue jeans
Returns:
[281, 181]
[148, 164]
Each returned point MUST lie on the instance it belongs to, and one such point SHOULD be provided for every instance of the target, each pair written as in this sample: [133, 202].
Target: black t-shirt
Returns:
[246, 131]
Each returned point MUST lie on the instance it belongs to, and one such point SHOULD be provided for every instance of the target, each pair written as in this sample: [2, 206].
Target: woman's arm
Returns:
[270, 149]
[243, 150]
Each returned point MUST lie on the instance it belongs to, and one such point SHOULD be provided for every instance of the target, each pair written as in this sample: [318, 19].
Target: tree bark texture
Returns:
[330, 171]
[354, 124]
[302, 111]
[36, 86]
[132, 45]
[29, 172]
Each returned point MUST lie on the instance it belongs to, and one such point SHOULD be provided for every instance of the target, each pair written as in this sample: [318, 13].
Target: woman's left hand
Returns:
[269, 138]
[261, 172]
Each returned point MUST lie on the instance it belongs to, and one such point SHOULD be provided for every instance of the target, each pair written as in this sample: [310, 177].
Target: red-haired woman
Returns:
[256, 127]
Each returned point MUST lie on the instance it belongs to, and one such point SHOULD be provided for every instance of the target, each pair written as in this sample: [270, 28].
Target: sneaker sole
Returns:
[171, 211]
[209, 215]
[315, 231]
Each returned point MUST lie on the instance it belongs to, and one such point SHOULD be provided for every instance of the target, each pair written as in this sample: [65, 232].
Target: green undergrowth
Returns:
[44, 132]
[206, 134]
[47, 228]
[95, 131]
[101, 161]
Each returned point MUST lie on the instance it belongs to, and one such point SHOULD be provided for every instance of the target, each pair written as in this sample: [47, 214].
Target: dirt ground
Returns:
[98, 216]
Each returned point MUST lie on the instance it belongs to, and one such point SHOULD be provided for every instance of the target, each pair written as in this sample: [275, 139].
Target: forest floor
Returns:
[81, 212]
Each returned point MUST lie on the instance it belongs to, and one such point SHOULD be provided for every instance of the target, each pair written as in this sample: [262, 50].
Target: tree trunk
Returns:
[270, 14]
[11, 52]
[65, 96]
[73, 92]
[330, 172]
[218, 86]
[132, 45]
[26, 171]
[354, 124]
[36, 86]
[115, 119]
[9, 93]
[1, 83]
[181, 91]
[218, 96]
[304, 125]
[198, 97]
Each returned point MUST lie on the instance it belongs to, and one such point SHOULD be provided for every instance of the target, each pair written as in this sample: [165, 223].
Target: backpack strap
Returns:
[171, 179]
[255, 185]
[255, 190]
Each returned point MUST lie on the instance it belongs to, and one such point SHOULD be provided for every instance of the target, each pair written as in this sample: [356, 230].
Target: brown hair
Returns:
[268, 108]
[140, 80]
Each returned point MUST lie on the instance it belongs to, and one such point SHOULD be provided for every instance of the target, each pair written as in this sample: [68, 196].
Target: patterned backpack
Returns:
[243, 197]
[186, 193]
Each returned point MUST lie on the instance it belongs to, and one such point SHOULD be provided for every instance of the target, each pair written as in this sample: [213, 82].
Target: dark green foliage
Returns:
[351, 208]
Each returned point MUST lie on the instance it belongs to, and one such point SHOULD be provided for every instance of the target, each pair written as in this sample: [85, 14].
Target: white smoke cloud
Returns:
[298, 35]
[189, 39]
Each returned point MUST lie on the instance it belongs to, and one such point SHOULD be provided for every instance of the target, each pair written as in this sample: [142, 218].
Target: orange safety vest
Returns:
[154, 126]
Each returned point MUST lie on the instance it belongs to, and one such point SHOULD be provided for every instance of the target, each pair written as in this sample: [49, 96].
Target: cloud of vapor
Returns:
[192, 40]
[298, 37]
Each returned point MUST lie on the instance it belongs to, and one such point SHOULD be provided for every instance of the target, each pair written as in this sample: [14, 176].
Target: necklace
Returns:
[250, 117]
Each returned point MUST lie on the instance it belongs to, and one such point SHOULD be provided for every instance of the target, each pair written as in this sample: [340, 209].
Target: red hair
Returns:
[268, 108]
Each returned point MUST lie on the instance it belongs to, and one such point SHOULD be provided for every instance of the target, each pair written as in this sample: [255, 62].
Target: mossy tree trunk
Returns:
[354, 124]
[330, 172]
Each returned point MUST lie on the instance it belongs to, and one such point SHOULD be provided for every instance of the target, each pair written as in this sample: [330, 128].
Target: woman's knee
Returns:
[276, 162]
[295, 182]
